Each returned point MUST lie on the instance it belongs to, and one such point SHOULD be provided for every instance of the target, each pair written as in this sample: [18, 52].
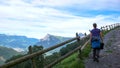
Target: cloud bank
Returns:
[36, 18]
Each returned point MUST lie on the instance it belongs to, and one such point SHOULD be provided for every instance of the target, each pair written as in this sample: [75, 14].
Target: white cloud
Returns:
[23, 18]
[84, 4]
[63, 28]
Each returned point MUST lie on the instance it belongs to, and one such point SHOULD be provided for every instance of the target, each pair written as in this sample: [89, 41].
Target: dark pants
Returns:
[96, 52]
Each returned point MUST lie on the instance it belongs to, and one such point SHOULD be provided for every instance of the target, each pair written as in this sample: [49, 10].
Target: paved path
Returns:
[110, 55]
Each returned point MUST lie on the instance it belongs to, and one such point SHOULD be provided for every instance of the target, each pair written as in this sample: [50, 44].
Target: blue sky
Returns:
[36, 18]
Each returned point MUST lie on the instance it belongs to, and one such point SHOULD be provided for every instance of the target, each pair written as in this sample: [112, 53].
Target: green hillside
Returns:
[6, 53]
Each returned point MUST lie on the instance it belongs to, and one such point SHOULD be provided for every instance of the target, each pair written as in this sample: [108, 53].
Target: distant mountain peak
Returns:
[47, 37]
[81, 34]
[50, 40]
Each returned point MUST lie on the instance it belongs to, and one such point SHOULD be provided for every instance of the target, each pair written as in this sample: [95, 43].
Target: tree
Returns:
[39, 60]
[28, 64]
[51, 58]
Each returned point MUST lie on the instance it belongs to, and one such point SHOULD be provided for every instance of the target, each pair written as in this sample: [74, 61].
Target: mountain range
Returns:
[13, 41]
[13, 45]
[50, 40]
[23, 42]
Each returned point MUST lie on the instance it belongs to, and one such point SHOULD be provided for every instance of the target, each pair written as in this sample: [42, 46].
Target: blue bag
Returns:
[96, 44]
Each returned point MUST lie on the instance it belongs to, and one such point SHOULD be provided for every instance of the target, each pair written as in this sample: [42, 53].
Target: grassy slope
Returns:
[73, 61]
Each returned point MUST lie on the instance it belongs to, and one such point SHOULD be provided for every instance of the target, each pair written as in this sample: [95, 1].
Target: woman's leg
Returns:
[94, 53]
[97, 52]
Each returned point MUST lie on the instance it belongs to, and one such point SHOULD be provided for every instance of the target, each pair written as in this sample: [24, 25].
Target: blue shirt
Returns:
[95, 32]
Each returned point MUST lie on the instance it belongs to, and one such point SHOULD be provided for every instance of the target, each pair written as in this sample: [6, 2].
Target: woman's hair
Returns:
[94, 25]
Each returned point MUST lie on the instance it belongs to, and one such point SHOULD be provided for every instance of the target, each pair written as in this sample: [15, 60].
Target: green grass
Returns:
[71, 62]
[74, 61]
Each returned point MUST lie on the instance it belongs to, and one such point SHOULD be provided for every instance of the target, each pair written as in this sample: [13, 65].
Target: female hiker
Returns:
[96, 39]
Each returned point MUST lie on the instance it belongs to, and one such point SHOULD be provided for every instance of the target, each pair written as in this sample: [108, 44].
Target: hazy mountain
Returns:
[50, 40]
[6, 53]
[14, 41]
[22, 42]
[81, 35]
